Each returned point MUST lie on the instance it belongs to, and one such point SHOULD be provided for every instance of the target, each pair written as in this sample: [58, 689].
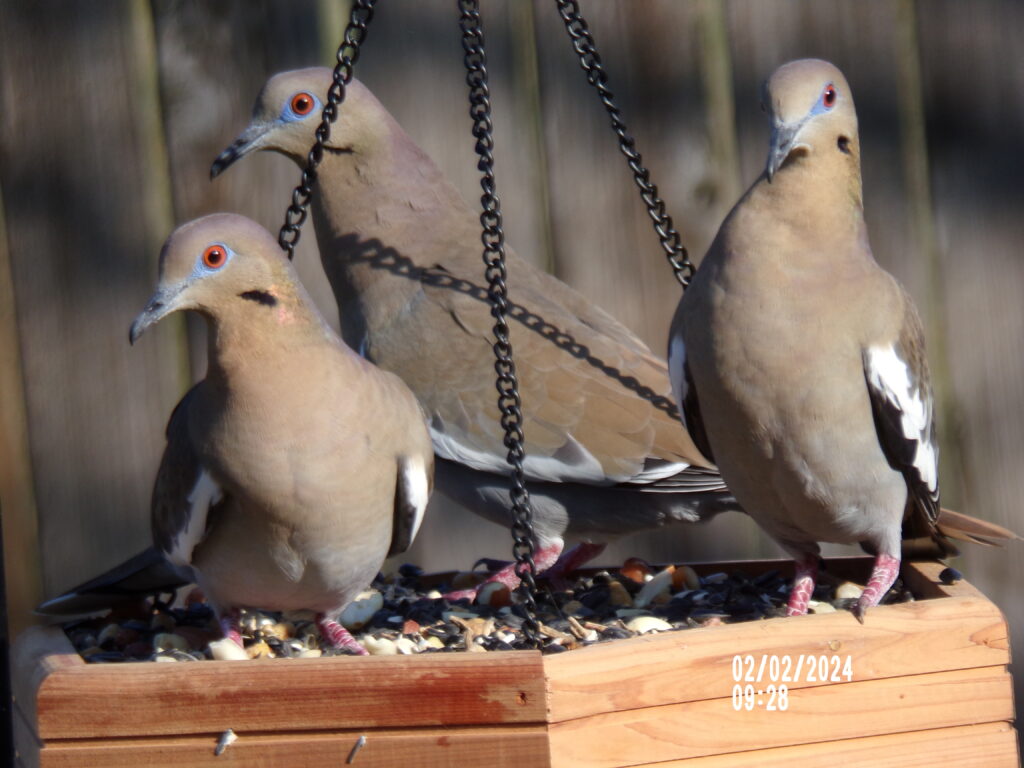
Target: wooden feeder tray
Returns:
[929, 687]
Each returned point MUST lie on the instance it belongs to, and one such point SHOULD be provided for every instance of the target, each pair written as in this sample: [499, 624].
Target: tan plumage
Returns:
[402, 251]
[801, 359]
[295, 466]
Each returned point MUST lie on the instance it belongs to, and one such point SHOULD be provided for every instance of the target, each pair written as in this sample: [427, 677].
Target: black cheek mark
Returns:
[844, 145]
[260, 297]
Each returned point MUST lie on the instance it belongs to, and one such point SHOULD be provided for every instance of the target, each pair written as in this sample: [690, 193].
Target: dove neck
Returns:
[263, 330]
[382, 214]
[388, 191]
[818, 196]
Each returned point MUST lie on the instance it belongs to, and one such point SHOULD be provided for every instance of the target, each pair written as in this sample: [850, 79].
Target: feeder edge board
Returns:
[844, 711]
[164, 699]
[990, 745]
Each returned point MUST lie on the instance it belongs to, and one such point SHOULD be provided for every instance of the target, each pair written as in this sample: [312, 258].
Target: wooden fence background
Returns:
[110, 114]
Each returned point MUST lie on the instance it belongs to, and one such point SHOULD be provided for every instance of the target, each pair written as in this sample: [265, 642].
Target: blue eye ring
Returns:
[300, 106]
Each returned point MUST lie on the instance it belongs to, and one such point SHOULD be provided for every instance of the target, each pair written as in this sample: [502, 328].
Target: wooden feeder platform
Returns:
[927, 685]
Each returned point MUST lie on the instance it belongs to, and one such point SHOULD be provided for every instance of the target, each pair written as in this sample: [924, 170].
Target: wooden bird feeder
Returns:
[922, 683]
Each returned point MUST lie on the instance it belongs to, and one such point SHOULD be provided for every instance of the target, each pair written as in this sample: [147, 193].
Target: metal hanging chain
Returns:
[493, 238]
[590, 61]
[347, 56]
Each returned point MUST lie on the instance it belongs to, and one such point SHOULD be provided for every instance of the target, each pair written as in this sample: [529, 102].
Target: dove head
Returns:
[217, 265]
[288, 111]
[812, 116]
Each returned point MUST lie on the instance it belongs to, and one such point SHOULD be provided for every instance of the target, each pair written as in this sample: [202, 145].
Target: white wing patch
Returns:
[555, 469]
[418, 486]
[205, 494]
[890, 376]
[676, 365]
[656, 471]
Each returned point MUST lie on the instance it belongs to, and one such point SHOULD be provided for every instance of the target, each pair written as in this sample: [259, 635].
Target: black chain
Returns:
[493, 238]
[347, 56]
[590, 61]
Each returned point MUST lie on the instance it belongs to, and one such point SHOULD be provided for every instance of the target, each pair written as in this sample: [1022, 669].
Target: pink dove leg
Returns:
[803, 585]
[231, 625]
[543, 558]
[886, 569]
[338, 636]
[572, 560]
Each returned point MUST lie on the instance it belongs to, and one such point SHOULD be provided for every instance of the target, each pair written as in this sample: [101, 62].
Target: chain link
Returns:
[493, 238]
[590, 61]
[347, 56]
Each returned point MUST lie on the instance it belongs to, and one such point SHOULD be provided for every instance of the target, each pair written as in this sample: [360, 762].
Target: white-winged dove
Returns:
[295, 466]
[799, 363]
[401, 248]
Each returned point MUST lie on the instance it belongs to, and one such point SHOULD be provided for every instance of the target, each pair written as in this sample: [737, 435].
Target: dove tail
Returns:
[147, 573]
[957, 525]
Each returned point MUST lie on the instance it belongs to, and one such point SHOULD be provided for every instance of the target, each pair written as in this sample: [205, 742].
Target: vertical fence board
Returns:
[17, 501]
[77, 177]
[971, 62]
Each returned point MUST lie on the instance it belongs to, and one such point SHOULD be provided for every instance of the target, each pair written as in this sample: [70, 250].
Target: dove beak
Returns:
[162, 303]
[784, 141]
[250, 139]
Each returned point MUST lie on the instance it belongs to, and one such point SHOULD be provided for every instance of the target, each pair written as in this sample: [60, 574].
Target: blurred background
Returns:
[111, 113]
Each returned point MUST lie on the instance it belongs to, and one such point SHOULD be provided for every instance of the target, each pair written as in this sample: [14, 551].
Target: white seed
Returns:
[227, 650]
[405, 646]
[644, 624]
[848, 590]
[359, 612]
[658, 584]
[822, 607]
[379, 646]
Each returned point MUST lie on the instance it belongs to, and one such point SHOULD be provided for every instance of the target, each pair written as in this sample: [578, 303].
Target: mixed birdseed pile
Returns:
[408, 613]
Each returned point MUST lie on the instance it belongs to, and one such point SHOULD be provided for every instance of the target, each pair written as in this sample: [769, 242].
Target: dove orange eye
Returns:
[828, 98]
[214, 257]
[302, 104]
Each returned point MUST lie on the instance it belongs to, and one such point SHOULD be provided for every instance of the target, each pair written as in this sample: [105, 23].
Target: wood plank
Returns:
[895, 640]
[849, 710]
[512, 746]
[343, 692]
[990, 745]
[923, 580]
